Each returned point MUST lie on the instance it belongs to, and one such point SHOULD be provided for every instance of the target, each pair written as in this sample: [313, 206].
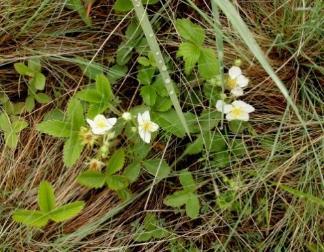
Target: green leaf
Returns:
[117, 182]
[11, 140]
[75, 113]
[90, 69]
[214, 141]
[209, 119]
[190, 53]
[193, 206]
[177, 199]
[124, 194]
[38, 81]
[143, 236]
[34, 65]
[126, 5]
[190, 31]
[103, 87]
[30, 103]
[195, 147]
[72, 150]
[116, 162]
[19, 125]
[145, 75]
[67, 211]
[208, 66]
[54, 114]
[90, 95]
[55, 128]
[162, 104]
[169, 121]
[116, 72]
[91, 179]
[42, 98]
[144, 61]
[132, 171]
[46, 198]
[30, 218]
[157, 168]
[187, 181]
[237, 126]
[220, 159]
[148, 94]
[5, 123]
[22, 69]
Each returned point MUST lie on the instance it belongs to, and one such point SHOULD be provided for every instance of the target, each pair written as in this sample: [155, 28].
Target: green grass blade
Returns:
[154, 46]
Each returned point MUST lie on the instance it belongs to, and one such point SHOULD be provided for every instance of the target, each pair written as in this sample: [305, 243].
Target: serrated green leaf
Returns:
[214, 142]
[75, 113]
[103, 87]
[22, 69]
[91, 179]
[30, 218]
[132, 171]
[143, 61]
[11, 139]
[90, 69]
[116, 72]
[72, 150]
[42, 98]
[237, 126]
[55, 128]
[116, 162]
[193, 206]
[157, 168]
[97, 108]
[177, 199]
[162, 104]
[190, 31]
[148, 94]
[195, 147]
[90, 95]
[209, 119]
[208, 66]
[190, 53]
[30, 103]
[117, 182]
[38, 81]
[19, 125]
[145, 75]
[67, 211]
[46, 198]
[187, 181]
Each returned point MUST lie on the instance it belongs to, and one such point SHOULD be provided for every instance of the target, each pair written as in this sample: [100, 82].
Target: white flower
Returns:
[236, 81]
[127, 116]
[146, 126]
[239, 110]
[100, 124]
[221, 106]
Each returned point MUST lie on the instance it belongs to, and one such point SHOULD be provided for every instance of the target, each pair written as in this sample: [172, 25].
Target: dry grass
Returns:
[292, 39]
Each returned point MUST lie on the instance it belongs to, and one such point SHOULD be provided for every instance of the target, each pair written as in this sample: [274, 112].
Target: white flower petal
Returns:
[242, 81]
[98, 131]
[248, 108]
[242, 116]
[154, 127]
[111, 121]
[91, 123]
[99, 118]
[146, 116]
[145, 135]
[221, 106]
[139, 118]
[237, 91]
[234, 72]
[245, 106]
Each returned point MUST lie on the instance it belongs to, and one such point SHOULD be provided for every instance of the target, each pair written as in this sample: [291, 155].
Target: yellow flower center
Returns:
[147, 126]
[101, 124]
[231, 83]
[236, 112]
